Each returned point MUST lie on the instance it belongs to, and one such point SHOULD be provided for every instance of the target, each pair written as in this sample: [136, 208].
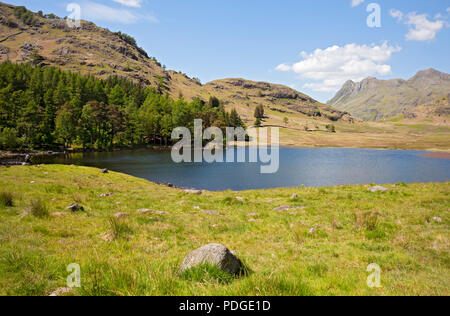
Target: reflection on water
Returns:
[298, 166]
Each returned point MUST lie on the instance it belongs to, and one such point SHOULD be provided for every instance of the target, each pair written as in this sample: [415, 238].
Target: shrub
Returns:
[39, 209]
[24, 15]
[331, 128]
[6, 199]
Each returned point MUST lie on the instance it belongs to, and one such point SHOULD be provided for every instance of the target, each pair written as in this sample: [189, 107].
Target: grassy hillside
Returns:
[100, 52]
[425, 95]
[405, 231]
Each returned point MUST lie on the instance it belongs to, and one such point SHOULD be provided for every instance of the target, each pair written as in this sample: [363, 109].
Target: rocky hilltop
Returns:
[47, 40]
[425, 94]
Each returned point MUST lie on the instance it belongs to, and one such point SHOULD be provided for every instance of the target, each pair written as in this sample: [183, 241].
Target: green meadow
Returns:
[322, 245]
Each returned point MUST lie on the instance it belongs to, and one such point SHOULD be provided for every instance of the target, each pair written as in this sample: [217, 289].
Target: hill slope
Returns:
[47, 40]
[426, 94]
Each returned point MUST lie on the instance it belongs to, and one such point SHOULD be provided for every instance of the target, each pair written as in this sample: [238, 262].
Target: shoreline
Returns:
[8, 158]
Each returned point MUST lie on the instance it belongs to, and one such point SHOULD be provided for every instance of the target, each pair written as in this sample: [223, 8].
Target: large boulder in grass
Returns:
[213, 254]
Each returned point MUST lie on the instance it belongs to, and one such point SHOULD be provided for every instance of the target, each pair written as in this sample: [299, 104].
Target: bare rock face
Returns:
[214, 254]
[4, 50]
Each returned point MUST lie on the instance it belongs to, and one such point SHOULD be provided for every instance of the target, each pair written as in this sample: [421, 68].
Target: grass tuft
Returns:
[6, 199]
[207, 274]
[117, 228]
[39, 209]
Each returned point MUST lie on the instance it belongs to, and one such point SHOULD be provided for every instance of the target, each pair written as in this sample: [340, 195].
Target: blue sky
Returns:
[264, 40]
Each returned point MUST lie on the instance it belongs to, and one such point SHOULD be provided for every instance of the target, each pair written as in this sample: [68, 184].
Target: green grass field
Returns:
[405, 231]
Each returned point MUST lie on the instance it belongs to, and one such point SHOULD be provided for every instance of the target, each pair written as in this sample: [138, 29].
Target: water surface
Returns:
[312, 167]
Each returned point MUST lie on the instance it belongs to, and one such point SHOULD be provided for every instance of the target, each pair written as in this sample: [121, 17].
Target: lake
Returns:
[311, 167]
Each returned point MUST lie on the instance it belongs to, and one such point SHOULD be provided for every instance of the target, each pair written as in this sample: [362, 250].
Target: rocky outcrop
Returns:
[214, 254]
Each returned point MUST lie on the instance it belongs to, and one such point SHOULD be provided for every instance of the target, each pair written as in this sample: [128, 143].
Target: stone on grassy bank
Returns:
[146, 211]
[378, 189]
[286, 208]
[214, 254]
[210, 213]
[75, 207]
[189, 191]
[121, 215]
[61, 291]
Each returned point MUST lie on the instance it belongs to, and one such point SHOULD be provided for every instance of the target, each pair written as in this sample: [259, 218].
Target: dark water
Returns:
[310, 167]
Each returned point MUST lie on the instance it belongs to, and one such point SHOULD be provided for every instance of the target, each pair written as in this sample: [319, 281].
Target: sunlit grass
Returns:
[323, 249]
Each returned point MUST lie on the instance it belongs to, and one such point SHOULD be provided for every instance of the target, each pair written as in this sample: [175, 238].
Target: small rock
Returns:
[61, 291]
[252, 214]
[198, 192]
[196, 207]
[58, 214]
[108, 237]
[121, 215]
[312, 231]
[294, 196]
[145, 211]
[286, 208]
[32, 182]
[214, 254]
[104, 171]
[75, 208]
[107, 194]
[211, 213]
[437, 219]
[160, 213]
[378, 189]
[240, 198]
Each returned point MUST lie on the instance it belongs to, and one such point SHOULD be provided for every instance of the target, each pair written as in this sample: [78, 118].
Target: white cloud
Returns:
[130, 3]
[283, 67]
[396, 14]
[420, 27]
[330, 68]
[356, 3]
[93, 11]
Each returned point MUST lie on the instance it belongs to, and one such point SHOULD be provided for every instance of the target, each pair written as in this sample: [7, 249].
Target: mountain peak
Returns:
[430, 73]
[373, 99]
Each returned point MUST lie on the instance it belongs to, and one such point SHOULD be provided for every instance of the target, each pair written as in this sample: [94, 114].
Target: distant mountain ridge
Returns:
[373, 99]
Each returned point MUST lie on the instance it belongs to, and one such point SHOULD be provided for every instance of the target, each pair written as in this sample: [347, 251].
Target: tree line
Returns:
[47, 108]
